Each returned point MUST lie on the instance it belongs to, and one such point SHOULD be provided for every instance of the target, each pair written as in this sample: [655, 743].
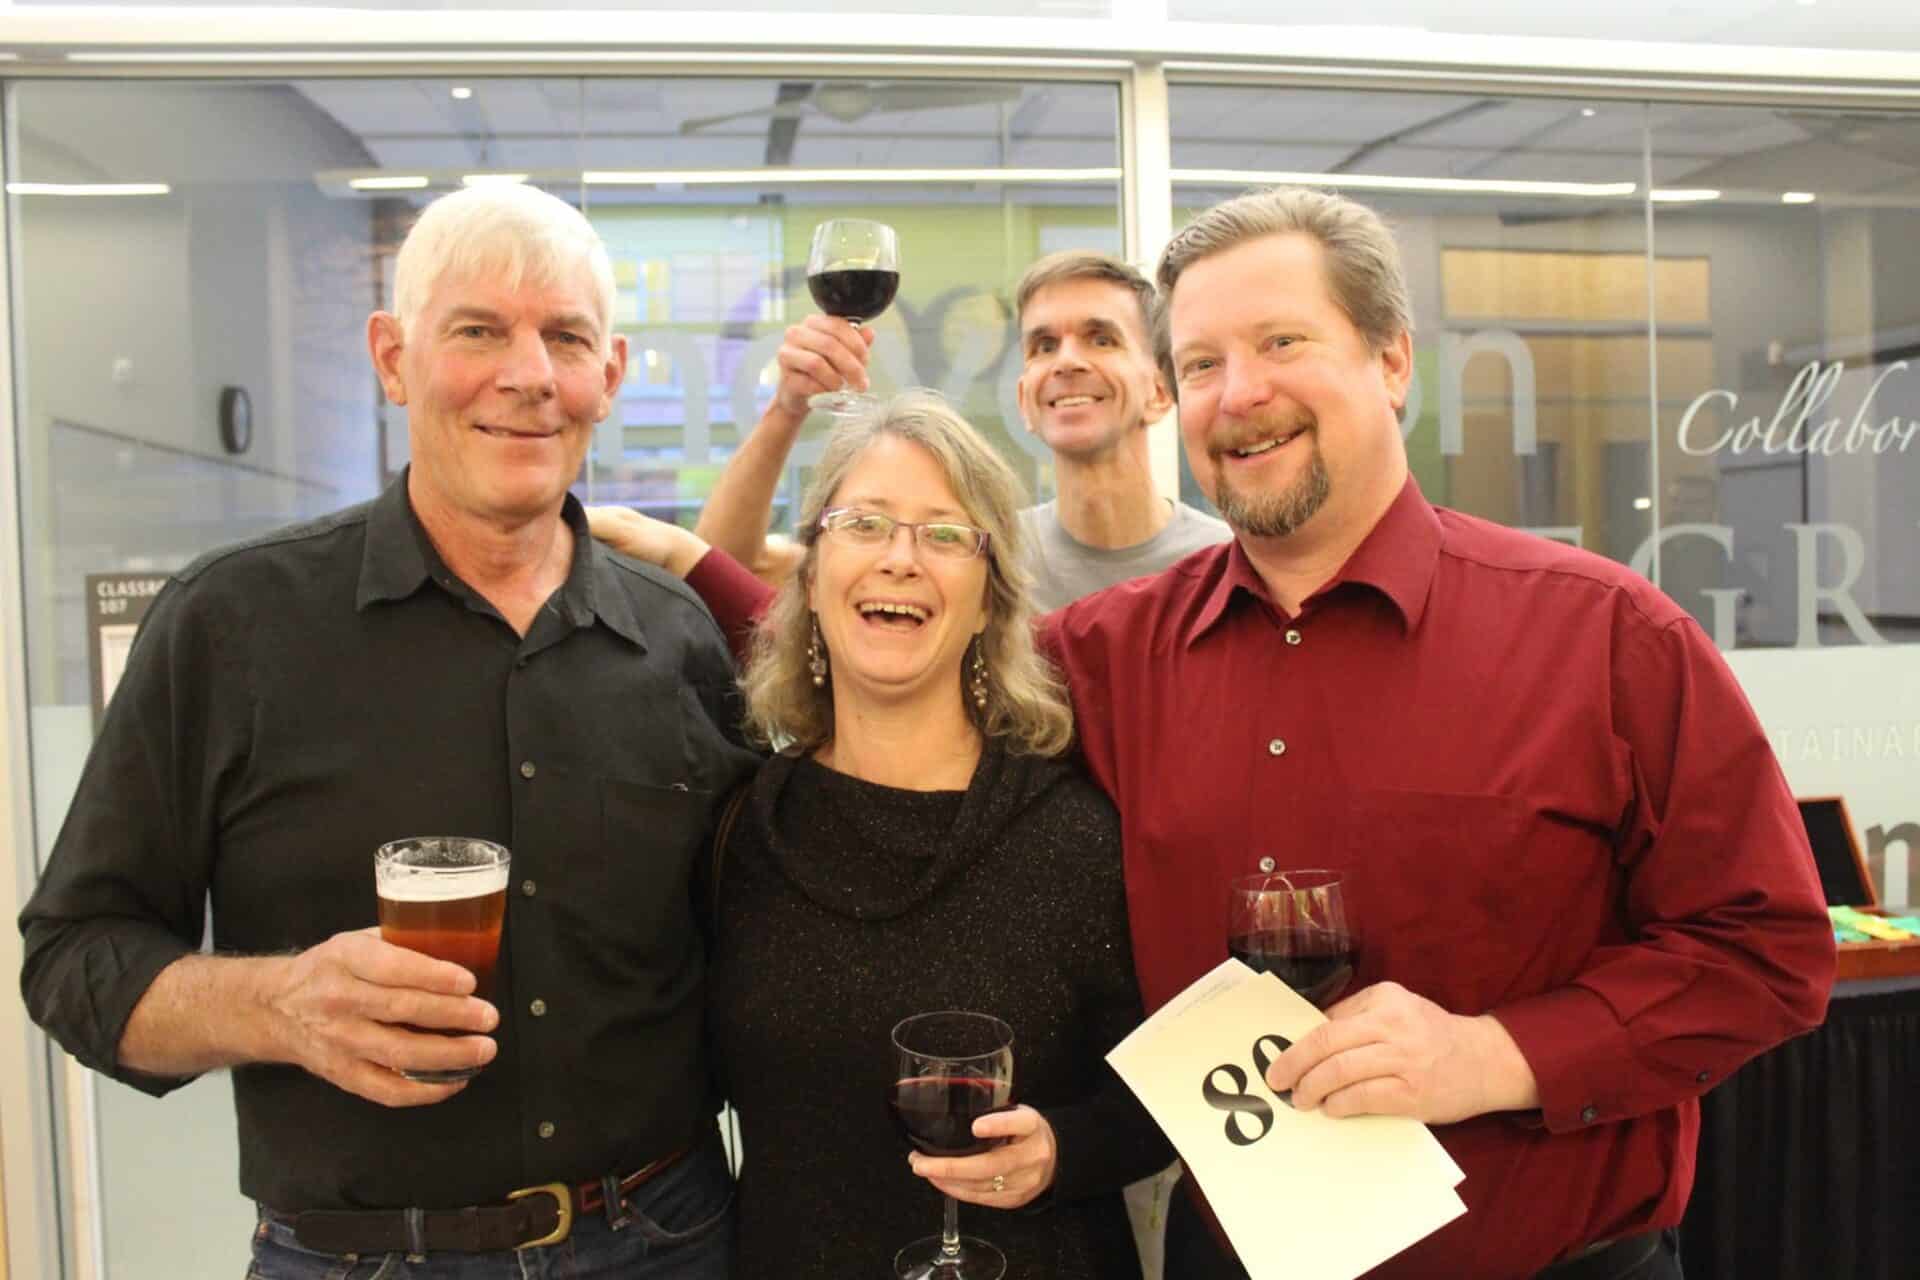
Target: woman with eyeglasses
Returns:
[917, 843]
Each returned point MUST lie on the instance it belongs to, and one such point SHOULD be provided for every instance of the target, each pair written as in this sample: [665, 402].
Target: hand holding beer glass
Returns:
[445, 896]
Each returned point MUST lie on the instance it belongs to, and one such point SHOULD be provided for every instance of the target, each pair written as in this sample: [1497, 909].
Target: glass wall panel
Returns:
[1789, 457]
[174, 240]
[1525, 252]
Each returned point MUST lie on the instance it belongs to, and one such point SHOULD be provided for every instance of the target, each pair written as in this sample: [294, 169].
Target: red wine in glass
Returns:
[1293, 924]
[936, 1113]
[853, 271]
[949, 1069]
[1316, 963]
[854, 293]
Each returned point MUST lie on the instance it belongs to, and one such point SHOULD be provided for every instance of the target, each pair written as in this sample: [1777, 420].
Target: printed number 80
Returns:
[1240, 1102]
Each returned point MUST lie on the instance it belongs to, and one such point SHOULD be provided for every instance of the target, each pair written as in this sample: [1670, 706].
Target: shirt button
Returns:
[1589, 1114]
[1266, 864]
[538, 1008]
[546, 1129]
[528, 888]
[1293, 636]
[526, 768]
[1277, 747]
[1703, 1077]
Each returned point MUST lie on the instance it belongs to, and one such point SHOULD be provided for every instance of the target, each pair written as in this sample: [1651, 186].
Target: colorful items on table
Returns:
[1851, 925]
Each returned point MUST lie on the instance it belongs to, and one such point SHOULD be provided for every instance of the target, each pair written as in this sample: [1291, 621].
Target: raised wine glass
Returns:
[949, 1068]
[1293, 924]
[853, 271]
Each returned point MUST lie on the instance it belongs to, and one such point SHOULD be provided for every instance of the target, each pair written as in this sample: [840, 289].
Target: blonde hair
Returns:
[1364, 274]
[507, 232]
[1026, 703]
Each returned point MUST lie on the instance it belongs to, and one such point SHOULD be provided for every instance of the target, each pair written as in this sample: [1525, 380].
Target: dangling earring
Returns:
[817, 656]
[977, 683]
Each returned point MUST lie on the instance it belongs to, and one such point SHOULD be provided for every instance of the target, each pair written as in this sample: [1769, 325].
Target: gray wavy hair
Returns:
[1026, 704]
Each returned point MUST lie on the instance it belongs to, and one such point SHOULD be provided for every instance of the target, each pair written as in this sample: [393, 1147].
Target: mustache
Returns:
[1246, 434]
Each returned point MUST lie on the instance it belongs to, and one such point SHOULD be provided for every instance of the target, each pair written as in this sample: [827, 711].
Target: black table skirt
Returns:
[1809, 1161]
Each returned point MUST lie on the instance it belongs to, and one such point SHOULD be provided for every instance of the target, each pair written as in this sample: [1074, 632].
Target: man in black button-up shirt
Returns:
[456, 657]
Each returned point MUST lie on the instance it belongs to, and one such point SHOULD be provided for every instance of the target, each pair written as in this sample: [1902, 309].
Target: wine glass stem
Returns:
[950, 1234]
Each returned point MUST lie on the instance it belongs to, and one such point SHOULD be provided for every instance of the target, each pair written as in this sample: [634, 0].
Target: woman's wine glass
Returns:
[949, 1069]
[1293, 924]
[853, 271]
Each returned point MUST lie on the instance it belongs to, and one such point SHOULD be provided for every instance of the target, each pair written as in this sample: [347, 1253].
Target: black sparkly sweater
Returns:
[846, 906]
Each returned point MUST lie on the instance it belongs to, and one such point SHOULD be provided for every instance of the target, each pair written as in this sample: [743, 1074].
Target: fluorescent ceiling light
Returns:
[88, 188]
[1643, 504]
[460, 92]
[777, 177]
[1386, 182]
[1797, 197]
[500, 179]
[1683, 195]
[389, 182]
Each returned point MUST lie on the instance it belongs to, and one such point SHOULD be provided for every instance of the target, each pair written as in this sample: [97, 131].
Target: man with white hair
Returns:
[457, 656]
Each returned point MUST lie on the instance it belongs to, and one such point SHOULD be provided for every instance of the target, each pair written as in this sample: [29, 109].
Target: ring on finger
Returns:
[999, 1182]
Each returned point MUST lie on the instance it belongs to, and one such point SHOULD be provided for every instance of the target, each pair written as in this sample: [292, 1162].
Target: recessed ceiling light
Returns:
[1796, 197]
[88, 188]
[1385, 182]
[1643, 504]
[394, 182]
[1589, 112]
[460, 93]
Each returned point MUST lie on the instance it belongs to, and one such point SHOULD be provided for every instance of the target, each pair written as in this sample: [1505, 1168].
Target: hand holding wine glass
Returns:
[853, 271]
[1017, 1168]
[950, 1068]
[1383, 1050]
[820, 355]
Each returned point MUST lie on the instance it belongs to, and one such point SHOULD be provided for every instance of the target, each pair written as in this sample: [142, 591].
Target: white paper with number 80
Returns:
[1311, 1197]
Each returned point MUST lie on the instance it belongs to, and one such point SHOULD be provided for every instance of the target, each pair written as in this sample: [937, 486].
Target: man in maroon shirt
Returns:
[1580, 885]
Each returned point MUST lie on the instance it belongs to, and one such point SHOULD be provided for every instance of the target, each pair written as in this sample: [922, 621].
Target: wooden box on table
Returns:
[1843, 875]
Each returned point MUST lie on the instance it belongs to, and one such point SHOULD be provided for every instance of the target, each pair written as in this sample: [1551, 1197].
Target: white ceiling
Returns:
[1829, 24]
[1878, 25]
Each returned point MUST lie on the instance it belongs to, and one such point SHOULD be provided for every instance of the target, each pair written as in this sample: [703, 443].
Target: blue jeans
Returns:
[679, 1227]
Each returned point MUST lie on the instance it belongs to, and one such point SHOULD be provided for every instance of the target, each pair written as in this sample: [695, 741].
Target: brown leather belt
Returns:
[530, 1218]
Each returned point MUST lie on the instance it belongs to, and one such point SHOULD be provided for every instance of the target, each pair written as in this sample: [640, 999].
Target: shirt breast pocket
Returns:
[649, 833]
[1465, 898]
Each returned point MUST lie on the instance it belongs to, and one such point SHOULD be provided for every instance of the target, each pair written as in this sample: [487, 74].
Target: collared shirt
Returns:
[294, 702]
[1552, 802]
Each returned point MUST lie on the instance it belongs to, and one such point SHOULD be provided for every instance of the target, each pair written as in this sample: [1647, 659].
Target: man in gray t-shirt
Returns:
[1089, 388]
[1065, 568]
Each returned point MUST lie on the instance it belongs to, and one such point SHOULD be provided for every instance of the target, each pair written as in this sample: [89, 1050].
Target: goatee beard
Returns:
[1279, 514]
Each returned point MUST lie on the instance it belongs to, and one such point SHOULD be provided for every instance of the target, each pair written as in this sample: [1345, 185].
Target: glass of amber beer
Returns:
[445, 896]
